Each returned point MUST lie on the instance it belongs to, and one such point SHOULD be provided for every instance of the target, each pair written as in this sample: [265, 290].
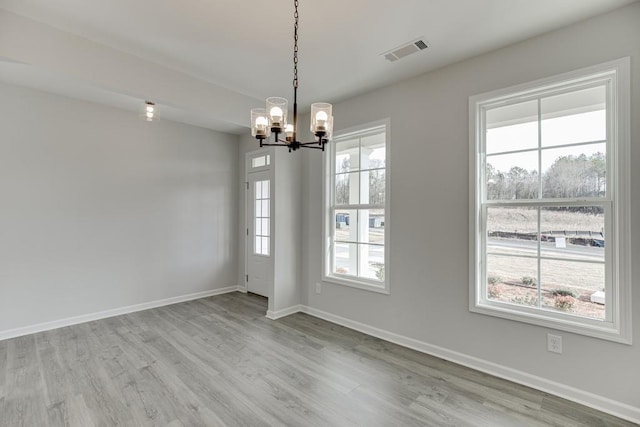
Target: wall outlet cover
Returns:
[554, 343]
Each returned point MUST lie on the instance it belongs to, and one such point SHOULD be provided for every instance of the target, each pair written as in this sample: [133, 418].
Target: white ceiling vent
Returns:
[405, 50]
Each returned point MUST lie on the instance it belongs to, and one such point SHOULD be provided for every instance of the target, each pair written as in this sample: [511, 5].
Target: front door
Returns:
[259, 248]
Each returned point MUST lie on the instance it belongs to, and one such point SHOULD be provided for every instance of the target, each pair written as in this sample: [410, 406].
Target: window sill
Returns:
[588, 327]
[381, 288]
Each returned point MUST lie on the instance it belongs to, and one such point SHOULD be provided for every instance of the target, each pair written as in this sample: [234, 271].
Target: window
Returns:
[358, 208]
[549, 214]
[262, 230]
[261, 161]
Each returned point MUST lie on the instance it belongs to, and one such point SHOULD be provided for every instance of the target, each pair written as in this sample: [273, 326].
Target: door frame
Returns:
[248, 169]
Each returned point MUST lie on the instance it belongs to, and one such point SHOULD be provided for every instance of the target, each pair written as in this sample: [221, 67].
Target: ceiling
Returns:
[244, 48]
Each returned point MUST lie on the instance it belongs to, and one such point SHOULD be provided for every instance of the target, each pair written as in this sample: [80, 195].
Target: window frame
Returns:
[329, 206]
[617, 323]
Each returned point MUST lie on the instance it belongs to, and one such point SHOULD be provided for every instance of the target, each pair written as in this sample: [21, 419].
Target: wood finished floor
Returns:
[219, 361]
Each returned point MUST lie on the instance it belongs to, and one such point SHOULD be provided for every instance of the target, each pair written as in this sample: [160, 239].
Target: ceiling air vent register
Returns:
[406, 50]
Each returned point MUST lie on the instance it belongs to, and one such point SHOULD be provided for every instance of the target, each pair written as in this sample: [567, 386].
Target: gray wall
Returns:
[286, 225]
[100, 210]
[287, 228]
[430, 207]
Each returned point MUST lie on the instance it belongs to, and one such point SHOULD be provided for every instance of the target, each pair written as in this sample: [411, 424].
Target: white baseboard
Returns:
[275, 315]
[46, 326]
[591, 400]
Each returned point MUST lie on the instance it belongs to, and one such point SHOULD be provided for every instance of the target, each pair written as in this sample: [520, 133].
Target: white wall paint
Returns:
[286, 225]
[50, 58]
[429, 183]
[100, 209]
[287, 228]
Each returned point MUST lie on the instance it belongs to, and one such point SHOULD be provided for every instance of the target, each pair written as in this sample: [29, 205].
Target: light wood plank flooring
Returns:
[219, 361]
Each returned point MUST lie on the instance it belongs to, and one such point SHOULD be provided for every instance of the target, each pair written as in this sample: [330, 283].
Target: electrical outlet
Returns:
[318, 287]
[554, 343]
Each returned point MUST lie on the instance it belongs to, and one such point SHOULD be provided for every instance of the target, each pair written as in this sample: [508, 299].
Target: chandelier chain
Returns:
[295, 45]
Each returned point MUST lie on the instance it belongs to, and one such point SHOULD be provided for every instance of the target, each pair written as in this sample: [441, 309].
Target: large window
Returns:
[357, 208]
[550, 208]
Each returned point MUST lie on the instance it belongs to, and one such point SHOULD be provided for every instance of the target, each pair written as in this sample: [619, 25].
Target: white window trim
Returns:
[618, 328]
[328, 190]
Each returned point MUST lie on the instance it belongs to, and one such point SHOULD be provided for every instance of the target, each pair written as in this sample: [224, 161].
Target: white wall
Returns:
[100, 209]
[287, 229]
[286, 224]
[56, 60]
[429, 215]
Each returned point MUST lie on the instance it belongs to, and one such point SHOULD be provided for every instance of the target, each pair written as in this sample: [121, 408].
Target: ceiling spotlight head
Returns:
[149, 113]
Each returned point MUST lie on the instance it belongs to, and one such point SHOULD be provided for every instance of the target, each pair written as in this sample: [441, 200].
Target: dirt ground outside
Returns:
[512, 265]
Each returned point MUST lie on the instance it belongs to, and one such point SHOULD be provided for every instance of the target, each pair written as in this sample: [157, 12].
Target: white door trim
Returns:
[249, 156]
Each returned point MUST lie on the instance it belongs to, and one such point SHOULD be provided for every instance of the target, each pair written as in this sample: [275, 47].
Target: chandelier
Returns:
[272, 120]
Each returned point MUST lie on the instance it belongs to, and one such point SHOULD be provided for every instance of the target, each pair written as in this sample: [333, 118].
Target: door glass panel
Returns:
[258, 212]
[258, 162]
[264, 226]
[265, 245]
[261, 161]
[262, 217]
